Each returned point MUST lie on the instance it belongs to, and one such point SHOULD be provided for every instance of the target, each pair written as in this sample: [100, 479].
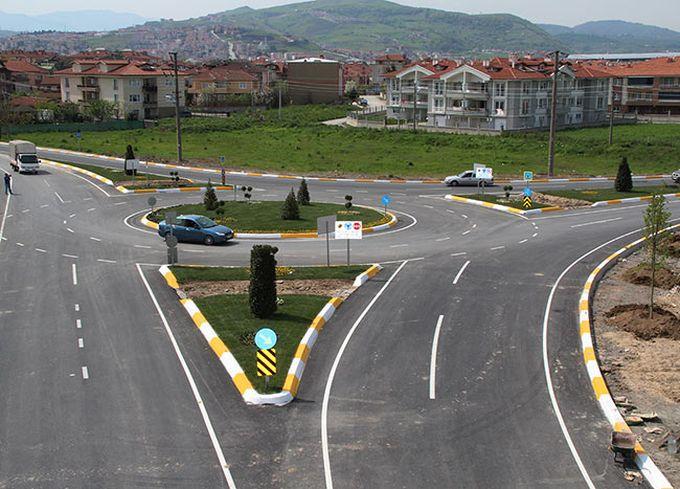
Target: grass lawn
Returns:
[187, 274]
[116, 175]
[496, 199]
[230, 316]
[298, 143]
[596, 195]
[265, 216]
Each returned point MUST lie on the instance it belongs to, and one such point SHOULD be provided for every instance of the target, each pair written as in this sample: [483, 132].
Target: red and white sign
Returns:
[348, 230]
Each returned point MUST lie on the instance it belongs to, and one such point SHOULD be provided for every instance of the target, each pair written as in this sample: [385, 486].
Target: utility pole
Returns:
[415, 97]
[279, 99]
[611, 115]
[553, 116]
[178, 124]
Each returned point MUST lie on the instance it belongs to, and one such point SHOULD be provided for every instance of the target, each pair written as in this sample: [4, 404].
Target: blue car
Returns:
[197, 229]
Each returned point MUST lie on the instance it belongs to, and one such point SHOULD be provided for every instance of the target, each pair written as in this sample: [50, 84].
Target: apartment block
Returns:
[213, 86]
[501, 94]
[140, 90]
[314, 81]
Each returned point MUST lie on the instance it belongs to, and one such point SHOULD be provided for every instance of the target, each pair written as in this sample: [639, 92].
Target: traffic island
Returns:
[631, 359]
[217, 300]
[595, 197]
[262, 219]
[513, 205]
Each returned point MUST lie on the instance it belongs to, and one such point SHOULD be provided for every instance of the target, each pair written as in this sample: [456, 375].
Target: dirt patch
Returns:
[563, 202]
[642, 275]
[635, 319]
[674, 246]
[323, 287]
[642, 374]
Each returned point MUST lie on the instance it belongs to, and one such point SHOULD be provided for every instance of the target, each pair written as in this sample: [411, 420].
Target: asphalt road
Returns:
[97, 395]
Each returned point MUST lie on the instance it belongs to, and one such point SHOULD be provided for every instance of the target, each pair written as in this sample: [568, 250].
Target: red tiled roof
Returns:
[397, 58]
[225, 73]
[669, 66]
[21, 66]
[118, 68]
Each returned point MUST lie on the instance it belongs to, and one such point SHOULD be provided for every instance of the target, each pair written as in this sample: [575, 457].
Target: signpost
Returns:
[152, 202]
[78, 137]
[483, 174]
[170, 239]
[528, 176]
[325, 226]
[526, 202]
[265, 340]
[224, 173]
[386, 199]
[348, 230]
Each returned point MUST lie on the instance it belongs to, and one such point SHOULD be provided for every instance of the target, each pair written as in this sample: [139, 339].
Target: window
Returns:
[66, 83]
[438, 90]
[542, 103]
[641, 82]
[525, 107]
[499, 106]
[578, 117]
[438, 103]
[543, 85]
[135, 83]
[115, 97]
[168, 82]
[68, 95]
[579, 101]
[115, 84]
[526, 87]
[600, 102]
[500, 90]
[242, 85]
[135, 98]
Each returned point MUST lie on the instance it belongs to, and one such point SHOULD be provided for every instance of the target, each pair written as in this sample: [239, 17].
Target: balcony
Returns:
[88, 87]
[150, 88]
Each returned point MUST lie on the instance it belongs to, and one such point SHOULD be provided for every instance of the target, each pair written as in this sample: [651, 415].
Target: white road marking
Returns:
[474, 226]
[546, 362]
[497, 248]
[443, 239]
[77, 307]
[121, 203]
[79, 324]
[88, 198]
[72, 216]
[192, 384]
[70, 230]
[428, 206]
[125, 221]
[596, 222]
[46, 182]
[86, 373]
[450, 211]
[91, 183]
[143, 246]
[534, 235]
[20, 244]
[44, 205]
[194, 251]
[460, 272]
[433, 356]
[329, 383]
[464, 216]
[59, 197]
[101, 260]
[25, 211]
[399, 193]
[40, 250]
[398, 246]
[523, 241]
[74, 272]
[461, 253]
[467, 232]
[94, 239]
[81, 343]
[66, 255]
[91, 209]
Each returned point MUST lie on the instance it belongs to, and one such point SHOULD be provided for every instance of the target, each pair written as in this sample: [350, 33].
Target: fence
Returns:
[115, 125]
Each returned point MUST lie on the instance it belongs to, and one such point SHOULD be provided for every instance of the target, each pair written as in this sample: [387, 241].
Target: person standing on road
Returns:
[8, 184]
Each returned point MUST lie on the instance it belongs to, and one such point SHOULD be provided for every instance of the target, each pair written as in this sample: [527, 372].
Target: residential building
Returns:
[645, 87]
[24, 77]
[5, 91]
[140, 90]
[314, 81]
[387, 63]
[501, 94]
[216, 85]
[358, 73]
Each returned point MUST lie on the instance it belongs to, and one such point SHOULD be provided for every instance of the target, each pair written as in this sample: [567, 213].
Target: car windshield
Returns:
[28, 158]
[204, 222]
[465, 174]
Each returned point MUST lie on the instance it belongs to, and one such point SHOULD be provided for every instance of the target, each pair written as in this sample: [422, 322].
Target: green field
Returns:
[599, 194]
[230, 316]
[299, 144]
[265, 216]
[210, 274]
[117, 176]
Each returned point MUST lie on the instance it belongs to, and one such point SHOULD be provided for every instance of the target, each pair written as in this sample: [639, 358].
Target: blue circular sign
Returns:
[265, 339]
[528, 192]
[386, 199]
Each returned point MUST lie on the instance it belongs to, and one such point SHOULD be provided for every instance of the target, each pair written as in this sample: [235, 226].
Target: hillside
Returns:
[615, 36]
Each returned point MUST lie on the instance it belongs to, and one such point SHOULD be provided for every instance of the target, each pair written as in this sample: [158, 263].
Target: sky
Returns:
[665, 13]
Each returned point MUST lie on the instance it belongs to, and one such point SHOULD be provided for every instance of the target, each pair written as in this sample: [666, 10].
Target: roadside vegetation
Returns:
[514, 202]
[117, 176]
[599, 194]
[298, 143]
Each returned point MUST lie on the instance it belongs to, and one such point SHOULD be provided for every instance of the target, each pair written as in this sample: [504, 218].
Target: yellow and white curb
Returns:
[306, 235]
[644, 462]
[231, 365]
[174, 190]
[76, 169]
[630, 200]
[501, 208]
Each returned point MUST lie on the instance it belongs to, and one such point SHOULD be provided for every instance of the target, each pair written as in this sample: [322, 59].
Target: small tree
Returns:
[262, 288]
[507, 189]
[656, 219]
[129, 153]
[624, 178]
[348, 202]
[101, 110]
[290, 210]
[303, 193]
[210, 198]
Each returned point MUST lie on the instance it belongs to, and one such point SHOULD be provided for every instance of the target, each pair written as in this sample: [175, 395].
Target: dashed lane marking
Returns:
[102, 260]
[443, 239]
[121, 203]
[25, 211]
[44, 205]
[143, 246]
[596, 222]
[66, 255]
[460, 253]
[523, 241]
[20, 244]
[95, 239]
[466, 232]
[79, 324]
[464, 216]
[460, 272]
[86, 373]
[534, 235]
[74, 272]
[70, 230]
[81, 343]
[72, 216]
[398, 246]
[433, 356]
[91, 209]
[497, 248]
[77, 307]
[59, 197]
[40, 250]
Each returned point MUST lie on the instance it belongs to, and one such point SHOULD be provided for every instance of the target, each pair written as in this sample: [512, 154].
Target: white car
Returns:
[466, 178]
[676, 176]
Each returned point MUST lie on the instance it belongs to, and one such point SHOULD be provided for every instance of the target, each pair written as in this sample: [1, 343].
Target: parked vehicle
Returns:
[196, 229]
[466, 178]
[23, 156]
[676, 176]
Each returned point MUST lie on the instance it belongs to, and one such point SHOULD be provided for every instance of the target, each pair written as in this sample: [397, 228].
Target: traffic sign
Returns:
[221, 160]
[528, 192]
[484, 173]
[171, 240]
[386, 199]
[266, 362]
[78, 135]
[526, 202]
[528, 176]
[348, 230]
[325, 224]
[152, 201]
[265, 339]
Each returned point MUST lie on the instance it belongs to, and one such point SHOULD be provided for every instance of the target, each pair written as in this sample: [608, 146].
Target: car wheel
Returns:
[208, 240]
[454, 183]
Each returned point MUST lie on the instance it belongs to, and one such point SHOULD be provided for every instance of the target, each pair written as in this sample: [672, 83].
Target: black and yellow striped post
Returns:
[527, 202]
[266, 363]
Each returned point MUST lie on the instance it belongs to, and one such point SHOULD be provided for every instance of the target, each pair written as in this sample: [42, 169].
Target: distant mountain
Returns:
[615, 36]
[75, 21]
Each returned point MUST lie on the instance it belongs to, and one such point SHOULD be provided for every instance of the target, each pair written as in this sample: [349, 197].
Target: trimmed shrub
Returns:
[290, 210]
[303, 193]
[210, 198]
[624, 178]
[262, 288]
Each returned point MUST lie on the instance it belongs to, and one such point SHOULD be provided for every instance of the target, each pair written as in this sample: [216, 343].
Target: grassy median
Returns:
[265, 216]
[215, 274]
[501, 200]
[600, 194]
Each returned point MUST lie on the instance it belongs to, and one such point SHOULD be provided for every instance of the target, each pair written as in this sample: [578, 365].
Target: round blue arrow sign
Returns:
[386, 199]
[265, 339]
[528, 192]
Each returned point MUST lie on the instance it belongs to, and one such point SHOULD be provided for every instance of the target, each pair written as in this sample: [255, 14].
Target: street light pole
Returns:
[415, 97]
[553, 117]
[178, 124]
